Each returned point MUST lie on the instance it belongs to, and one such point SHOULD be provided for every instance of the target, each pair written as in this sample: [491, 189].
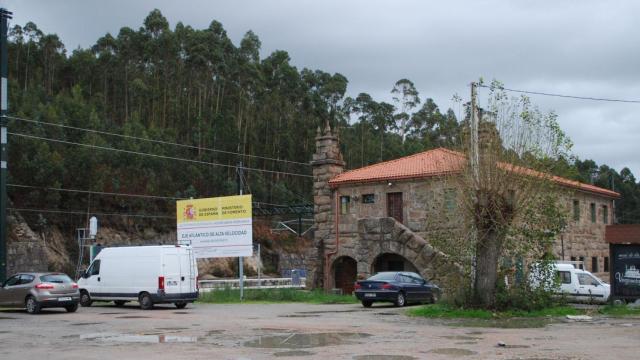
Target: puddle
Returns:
[387, 313]
[180, 312]
[511, 323]
[84, 324]
[453, 351]
[466, 343]
[112, 313]
[299, 315]
[136, 338]
[293, 353]
[4, 332]
[172, 328]
[132, 317]
[214, 332]
[461, 337]
[515, 346]
[383, 357]
[6, 318]
[296, 341]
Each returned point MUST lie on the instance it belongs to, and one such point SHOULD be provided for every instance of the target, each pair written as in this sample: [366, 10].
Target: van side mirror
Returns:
[85, 275]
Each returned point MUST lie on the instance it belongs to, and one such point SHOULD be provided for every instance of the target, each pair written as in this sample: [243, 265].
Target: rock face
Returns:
[25, 249]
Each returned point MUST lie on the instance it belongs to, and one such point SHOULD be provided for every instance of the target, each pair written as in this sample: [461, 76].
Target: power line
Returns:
[563, 96]
[123, 194]
[154, 140]
[96, 192]
[81, 212]
[153, 155]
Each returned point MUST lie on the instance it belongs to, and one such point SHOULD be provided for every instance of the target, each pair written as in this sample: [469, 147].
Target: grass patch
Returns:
[232, 296]
[619, 310]
[450, 312]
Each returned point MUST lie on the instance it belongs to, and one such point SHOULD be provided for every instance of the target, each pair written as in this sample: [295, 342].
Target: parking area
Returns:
[264, 331]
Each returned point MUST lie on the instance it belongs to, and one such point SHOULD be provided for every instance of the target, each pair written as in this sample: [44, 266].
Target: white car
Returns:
[147, 274]
[577, 285]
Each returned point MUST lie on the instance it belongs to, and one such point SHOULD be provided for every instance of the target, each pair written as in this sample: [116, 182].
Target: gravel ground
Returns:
[291, 331]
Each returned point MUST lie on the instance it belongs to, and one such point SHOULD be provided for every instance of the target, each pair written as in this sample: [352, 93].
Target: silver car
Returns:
[35, 291]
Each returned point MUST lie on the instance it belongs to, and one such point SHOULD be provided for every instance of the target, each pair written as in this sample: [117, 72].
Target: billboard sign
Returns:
[625, 270]
[216, 227]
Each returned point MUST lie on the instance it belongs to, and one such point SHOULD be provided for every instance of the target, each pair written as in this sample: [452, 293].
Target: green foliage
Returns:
[452, 312]
[227, 295]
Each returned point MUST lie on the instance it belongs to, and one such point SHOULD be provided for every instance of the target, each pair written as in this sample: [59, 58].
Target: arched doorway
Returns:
[345, 270]
[392, 262]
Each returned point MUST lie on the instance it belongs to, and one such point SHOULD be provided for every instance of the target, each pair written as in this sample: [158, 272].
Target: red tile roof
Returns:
[436, 162]
[622, 234]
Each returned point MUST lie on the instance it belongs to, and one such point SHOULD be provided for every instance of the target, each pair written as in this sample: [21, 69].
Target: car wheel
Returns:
[400, 300]
[145, 301]
[367, 304]
[85, 299]
[71, 308]
[180, 304]
[32, 305]
[119, 302]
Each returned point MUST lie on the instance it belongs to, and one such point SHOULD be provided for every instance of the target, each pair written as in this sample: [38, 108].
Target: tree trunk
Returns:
[488, 249]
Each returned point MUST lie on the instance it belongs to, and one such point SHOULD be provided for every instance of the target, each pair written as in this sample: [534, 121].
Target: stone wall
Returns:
[585, 238]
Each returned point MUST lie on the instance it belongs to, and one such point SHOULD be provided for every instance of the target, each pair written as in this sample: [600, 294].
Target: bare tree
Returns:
[511, 204]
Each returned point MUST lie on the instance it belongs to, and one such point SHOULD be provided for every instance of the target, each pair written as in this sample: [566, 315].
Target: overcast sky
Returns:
[584, 48]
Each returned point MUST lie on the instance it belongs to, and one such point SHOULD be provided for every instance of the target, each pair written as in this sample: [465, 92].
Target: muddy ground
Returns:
[291, 331]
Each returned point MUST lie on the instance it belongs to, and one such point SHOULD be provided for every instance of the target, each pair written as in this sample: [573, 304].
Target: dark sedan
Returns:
[398, 288]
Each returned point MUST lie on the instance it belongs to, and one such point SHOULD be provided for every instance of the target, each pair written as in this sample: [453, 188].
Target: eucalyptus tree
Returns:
[406, 98]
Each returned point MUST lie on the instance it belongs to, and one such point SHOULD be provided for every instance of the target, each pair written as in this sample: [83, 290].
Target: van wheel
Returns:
[85, 299]
[32, 305]
[119, 303]
[71, 308]
[180, 304]
[145, 301]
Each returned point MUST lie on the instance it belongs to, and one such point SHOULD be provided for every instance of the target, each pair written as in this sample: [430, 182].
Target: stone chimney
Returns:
[327, 163]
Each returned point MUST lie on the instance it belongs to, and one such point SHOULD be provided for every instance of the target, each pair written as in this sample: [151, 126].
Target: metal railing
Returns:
[264, 283]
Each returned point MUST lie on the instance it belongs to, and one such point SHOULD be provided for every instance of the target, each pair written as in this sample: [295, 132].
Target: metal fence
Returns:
[264, 283]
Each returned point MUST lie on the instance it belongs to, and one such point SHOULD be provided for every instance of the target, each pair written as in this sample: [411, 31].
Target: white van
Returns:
[147, 274]
[577, 285]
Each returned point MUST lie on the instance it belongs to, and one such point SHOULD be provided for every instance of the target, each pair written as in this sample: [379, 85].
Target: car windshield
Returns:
[385, 276]
[55, 278]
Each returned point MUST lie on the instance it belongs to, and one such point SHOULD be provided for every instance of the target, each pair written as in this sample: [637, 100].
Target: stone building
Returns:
[377, 218]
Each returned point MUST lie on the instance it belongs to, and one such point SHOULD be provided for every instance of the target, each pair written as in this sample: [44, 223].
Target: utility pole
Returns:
[4, 151]
[474, 158]
[240, 259]
[474, 151]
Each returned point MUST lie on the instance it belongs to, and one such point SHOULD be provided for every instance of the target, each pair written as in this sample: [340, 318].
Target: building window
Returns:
[344, 204]
[594, 264]
[581, 265]
[593, 212]
[573, 258]
[450, 199]
[576, 210]
[606, 264]
[368, 199]
[605, 214]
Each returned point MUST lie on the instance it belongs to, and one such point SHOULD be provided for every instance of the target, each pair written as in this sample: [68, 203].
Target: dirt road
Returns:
[258, 331]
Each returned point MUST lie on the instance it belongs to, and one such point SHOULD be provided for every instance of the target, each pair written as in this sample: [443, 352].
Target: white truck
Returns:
[147, 274]
[575, 284]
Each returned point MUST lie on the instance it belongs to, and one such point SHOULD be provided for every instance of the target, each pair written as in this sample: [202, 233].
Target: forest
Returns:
[169, 113]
